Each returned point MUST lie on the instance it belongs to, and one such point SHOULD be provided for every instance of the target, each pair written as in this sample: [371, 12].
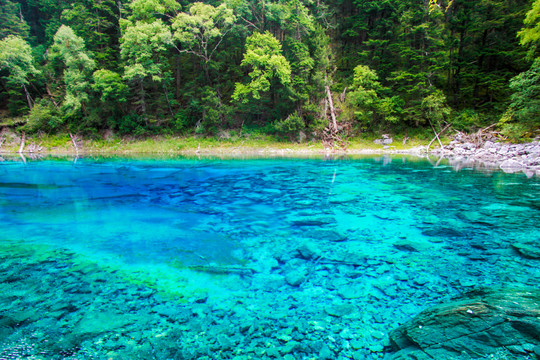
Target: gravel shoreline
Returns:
[510, 158]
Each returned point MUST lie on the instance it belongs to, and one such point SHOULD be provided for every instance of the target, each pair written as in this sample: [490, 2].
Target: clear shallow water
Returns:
[246, 259]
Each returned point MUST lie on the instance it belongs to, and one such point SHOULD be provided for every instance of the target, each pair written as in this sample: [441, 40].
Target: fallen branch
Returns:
[74, 141]
[437, 135]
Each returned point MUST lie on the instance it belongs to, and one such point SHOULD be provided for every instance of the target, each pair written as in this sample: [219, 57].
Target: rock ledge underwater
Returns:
[491, 323]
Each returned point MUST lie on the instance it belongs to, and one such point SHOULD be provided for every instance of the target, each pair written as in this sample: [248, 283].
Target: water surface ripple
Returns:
[247, 259]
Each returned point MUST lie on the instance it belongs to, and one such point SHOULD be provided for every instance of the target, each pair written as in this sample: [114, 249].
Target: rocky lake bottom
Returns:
[263, 259]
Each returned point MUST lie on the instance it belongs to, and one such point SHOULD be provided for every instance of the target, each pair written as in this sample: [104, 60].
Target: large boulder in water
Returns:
[481, 324]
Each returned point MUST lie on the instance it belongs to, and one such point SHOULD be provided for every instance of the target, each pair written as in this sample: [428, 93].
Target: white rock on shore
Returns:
[507, 157]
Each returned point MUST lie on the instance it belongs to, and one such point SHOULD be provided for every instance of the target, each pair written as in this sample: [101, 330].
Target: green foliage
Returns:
[530, 34]
[142, 45]
[201, 30]
[150, 66]
[109, 84]
[149, 10]
[43, 117]
[11, 20]
[434, 108]
[16, 57]
[369, 106]
[525, 105]
[263, 55]
[69, 49]
[466, 120]
[290, 126]
[97, 23]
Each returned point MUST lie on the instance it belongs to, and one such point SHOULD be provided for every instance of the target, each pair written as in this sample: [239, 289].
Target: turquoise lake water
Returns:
[247, 259]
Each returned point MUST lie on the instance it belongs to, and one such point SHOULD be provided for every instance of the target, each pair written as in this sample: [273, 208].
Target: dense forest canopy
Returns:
[285, 67]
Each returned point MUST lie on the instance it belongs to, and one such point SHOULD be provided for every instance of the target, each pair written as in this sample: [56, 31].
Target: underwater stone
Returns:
[325, 353]
[350, 292]
[480, 323]
[308, 251]
[528, 251]
[295, 278]
[339, 310]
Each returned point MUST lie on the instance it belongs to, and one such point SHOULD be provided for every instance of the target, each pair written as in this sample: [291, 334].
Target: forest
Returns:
[294, 69]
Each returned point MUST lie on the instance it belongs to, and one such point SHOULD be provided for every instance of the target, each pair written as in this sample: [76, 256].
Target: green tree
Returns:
[12, 20]
[370, 107]
[97, 23]
[143, 48]
[201, 31]
[150, 10]
[530, 33]
[263, 55]
[69, 49]
[16, 57]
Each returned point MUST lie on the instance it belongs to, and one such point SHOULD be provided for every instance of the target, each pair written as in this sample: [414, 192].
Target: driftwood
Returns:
[480, 137]
[34, 148]
[437, 136]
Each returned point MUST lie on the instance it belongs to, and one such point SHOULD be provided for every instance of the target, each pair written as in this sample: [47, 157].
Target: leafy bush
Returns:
[466, 120]
[290, 126]
[43, 117]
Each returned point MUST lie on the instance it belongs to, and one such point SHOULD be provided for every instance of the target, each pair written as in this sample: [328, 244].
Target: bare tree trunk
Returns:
[21, 148]
[50, 95]
[28, 98]
[74, 141]
[437, 135]
[332, 110]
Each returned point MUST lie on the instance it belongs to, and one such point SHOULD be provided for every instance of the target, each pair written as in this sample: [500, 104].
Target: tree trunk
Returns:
[332, 110]
[74, 141]
[50, 95]
[28, 98]
[21, 148]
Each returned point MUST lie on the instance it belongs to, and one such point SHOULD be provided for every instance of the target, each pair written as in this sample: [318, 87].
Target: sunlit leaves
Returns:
[141, 45]
[148, 10]
[70, 50]
[110, 85]
[263, 55]
[200, 29]
[16, 56]
[530, 34]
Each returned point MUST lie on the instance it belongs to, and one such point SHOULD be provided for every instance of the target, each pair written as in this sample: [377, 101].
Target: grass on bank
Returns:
[223, 144]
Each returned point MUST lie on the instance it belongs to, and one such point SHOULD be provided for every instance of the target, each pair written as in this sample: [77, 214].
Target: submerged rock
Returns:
[340, 310]
[480, 324]
[528, 251]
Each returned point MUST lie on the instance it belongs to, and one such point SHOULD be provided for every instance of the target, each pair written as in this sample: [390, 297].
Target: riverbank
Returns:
[459, 152]
[63, 145]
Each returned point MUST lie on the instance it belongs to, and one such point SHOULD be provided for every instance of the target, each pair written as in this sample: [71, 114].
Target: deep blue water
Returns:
[247, 259]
